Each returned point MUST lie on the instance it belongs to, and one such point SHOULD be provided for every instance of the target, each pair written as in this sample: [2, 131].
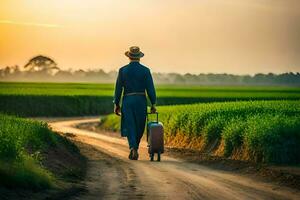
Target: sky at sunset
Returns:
[195, 36]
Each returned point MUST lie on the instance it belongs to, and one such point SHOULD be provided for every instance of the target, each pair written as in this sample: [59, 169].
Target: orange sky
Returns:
[196, 36]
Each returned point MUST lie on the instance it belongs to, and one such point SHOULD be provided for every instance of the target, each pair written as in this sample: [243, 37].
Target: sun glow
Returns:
[219, 36]
[29, 24]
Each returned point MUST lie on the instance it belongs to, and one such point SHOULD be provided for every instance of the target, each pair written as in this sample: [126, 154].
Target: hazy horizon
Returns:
[207, 36]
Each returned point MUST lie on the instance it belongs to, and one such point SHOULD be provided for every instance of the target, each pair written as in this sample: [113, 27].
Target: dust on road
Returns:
[112, 176]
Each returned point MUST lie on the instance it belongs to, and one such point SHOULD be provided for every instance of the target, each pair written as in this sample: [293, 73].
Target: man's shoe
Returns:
[131, 154]
[135, 155]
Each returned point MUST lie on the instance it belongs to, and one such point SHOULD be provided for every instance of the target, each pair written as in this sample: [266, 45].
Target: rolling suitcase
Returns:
[155, 137]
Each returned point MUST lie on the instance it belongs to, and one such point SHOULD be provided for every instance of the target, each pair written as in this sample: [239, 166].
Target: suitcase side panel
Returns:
[155, 138]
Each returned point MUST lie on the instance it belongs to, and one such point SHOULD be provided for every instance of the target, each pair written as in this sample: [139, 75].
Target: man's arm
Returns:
[118, 93]
[151, 90]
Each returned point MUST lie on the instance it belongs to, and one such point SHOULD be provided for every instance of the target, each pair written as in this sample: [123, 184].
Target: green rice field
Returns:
[69, 99]
[89, 89]
[260, 124]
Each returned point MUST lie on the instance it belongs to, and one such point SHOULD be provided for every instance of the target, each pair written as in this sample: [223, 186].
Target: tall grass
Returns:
[21, 141]
[260, 131]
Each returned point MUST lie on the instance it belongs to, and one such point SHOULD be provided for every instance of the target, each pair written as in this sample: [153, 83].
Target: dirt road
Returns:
[113, 176]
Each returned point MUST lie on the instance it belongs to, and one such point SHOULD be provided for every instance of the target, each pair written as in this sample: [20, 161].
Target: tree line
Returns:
[44, 69]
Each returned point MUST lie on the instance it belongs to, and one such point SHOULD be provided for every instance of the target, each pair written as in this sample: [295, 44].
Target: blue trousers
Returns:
[133, 118]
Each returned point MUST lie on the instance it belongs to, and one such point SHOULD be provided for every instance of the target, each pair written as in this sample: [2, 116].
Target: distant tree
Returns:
[15, 69]
[190, 78]
[112, 74]
[79, 73]
[178, 78]
[63, 73]
[7, 70]
[41, 63]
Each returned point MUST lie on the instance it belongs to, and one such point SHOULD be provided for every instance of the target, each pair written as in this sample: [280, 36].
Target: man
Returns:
[134, 80]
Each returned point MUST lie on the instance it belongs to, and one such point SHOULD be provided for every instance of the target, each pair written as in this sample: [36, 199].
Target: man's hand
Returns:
[153, 109]
[117, 110]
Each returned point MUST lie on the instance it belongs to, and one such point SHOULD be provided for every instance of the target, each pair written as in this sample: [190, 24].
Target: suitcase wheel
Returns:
[158, 157]
[151, 156]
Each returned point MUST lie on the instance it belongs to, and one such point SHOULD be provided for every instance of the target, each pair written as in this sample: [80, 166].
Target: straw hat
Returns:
[134, 52]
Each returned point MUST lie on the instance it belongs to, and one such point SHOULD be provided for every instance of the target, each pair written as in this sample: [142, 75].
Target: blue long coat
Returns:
[134, 78]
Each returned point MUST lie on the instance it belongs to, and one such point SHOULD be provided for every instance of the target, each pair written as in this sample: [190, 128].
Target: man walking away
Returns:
[134, 80]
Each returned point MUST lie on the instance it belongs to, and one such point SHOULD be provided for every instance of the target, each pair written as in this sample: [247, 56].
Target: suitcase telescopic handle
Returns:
[149, 113]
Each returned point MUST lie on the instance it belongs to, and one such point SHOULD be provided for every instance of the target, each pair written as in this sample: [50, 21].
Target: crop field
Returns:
[89, 89]
[69, 99]
[259, 131]
[22, 143]
[259, 124]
